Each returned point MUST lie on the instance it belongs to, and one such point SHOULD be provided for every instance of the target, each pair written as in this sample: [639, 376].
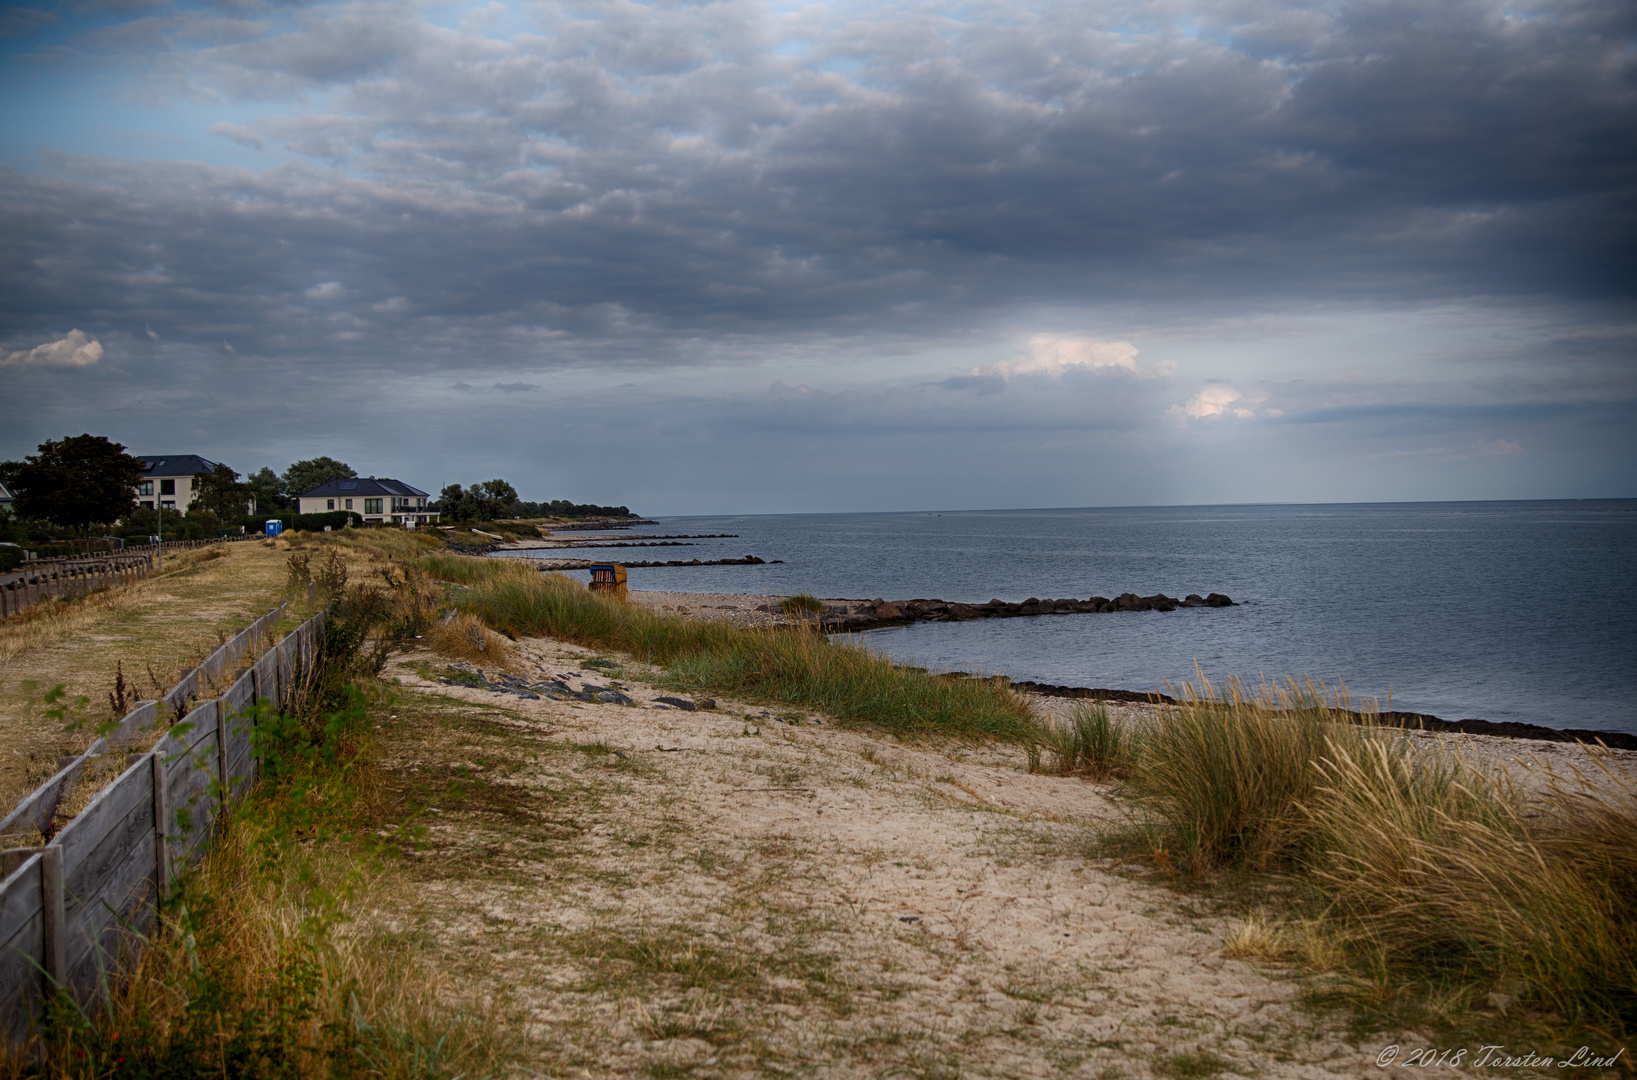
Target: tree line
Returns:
[83, 481]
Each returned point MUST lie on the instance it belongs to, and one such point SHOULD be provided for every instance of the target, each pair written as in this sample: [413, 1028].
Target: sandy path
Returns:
[735, 892]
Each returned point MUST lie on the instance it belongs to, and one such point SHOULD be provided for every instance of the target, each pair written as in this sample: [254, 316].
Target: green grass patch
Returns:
[789, 665]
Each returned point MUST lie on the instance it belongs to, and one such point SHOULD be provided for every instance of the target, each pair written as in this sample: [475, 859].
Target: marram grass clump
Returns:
[788, 665]
[1425, 883]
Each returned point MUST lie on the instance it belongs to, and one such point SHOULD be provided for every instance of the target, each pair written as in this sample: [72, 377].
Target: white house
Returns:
[381, 501]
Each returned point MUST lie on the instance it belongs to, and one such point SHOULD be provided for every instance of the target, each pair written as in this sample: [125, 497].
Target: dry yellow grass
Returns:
[153, 630]
[464, 637]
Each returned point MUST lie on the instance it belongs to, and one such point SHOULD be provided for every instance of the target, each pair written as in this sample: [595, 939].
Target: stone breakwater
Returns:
[869, 614]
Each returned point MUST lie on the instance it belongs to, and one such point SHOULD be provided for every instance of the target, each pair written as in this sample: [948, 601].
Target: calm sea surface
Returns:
[1504, 611]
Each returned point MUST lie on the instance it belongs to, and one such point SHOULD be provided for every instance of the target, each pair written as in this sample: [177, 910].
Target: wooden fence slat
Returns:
[203, 721]
[100, 925]
[95, 840]
[19, 897]
[19, 976]
[137, 721]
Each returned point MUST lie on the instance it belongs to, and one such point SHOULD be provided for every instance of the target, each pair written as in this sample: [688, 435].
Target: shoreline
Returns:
[752, 610]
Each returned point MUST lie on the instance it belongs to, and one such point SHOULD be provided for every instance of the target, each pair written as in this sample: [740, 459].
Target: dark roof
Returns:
[174, 464]
[363, 485]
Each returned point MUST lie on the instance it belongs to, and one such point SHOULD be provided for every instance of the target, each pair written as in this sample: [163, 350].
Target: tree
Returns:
[78, 481]
[481, 502]
[268, 488]
[219, 492]
[303, 476]
[8, 474]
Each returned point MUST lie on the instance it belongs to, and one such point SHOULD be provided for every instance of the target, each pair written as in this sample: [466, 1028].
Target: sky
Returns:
[736, 256]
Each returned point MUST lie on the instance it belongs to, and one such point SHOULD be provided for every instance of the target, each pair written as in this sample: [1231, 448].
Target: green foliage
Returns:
[268, 488]
[562, 508]
[303, 476]
[219, 492]
[224, 1030]
[792, 605]
[78, 481]
[481, 502]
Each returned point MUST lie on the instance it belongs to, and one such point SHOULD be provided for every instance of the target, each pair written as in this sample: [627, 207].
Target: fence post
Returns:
[54, 922]
[161, 830]
[221, 748]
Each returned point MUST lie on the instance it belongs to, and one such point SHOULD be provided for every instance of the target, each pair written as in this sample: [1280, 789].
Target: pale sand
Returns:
[946, 894]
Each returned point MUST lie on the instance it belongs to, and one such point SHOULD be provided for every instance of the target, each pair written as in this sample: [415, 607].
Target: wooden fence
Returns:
[70, 910]
[76, 575]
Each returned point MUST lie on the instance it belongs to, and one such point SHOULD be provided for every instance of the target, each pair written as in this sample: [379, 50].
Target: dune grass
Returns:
[1087, 743]
[1426, 884]
[788, 666]
[801, 602]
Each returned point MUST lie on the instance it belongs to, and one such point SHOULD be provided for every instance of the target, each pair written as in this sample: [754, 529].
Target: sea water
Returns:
[1502, 610]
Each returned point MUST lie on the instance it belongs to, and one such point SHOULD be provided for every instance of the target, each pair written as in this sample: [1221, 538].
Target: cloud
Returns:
[244, 136]
[515, 387]
[75, 350]
[19, 21]
[1213, 400]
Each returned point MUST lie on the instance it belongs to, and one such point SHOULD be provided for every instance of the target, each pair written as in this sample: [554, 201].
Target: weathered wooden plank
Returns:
[123, 814]
[203, 721]
[20, 897]
[103, 926]
[138, 720]
[20, 980]
[210, 668]
[241, 695]
[36, 807]
[190, 801]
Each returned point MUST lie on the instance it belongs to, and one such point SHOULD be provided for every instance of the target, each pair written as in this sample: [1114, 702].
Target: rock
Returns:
[964, 611]
[888, 611]
[1217, 599]
[706, 703]
[677, 703]
[1193, 599]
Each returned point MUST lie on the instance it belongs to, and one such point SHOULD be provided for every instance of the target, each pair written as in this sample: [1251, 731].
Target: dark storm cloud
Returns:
[629, 183]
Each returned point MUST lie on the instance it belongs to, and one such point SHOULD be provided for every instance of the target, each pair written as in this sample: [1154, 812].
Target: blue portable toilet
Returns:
[275, 527]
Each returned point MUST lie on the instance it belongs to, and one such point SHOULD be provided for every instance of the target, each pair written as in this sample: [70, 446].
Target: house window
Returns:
[372, 506]
[349, 504]
[145, 488]
[167, 487]
[329, 504]
[168, 504]
[148, 504]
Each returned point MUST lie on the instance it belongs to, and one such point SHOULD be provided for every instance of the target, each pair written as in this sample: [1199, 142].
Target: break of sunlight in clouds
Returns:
[74, 350]
[1053, 354]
